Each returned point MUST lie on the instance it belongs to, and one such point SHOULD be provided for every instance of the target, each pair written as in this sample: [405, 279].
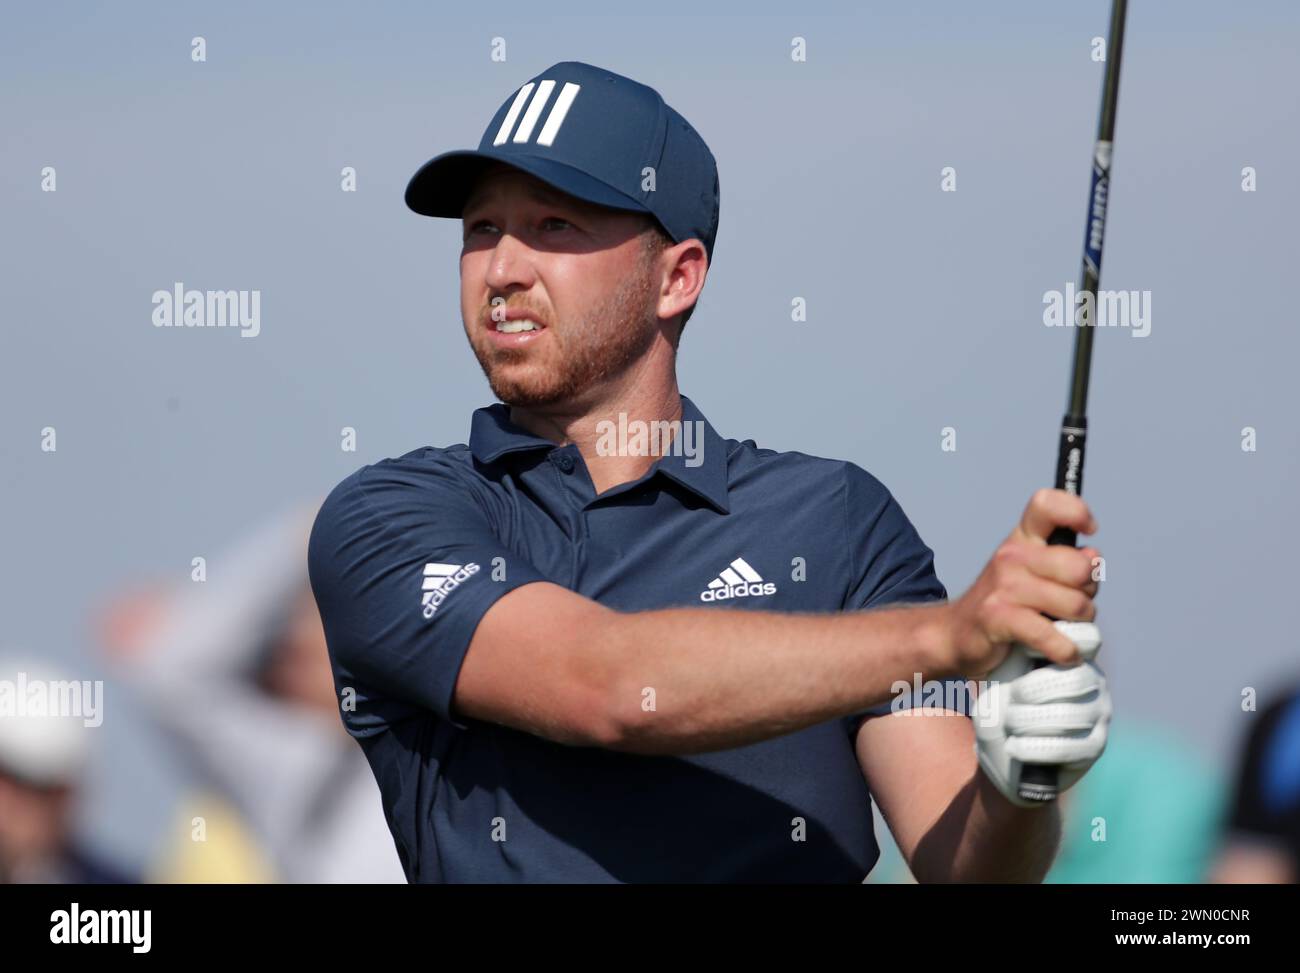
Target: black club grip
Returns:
[1038, 782]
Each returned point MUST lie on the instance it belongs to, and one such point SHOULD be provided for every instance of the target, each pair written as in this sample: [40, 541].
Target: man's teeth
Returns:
[514, 327]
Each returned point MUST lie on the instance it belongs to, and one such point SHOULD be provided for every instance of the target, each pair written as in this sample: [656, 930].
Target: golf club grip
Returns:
[1038, 782]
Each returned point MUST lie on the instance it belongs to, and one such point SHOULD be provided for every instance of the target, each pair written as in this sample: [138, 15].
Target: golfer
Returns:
[604, 643]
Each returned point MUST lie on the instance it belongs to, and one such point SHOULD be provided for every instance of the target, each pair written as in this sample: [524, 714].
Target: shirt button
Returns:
[565, 462]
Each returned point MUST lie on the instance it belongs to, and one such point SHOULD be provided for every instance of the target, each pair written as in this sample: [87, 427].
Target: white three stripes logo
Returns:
[440, 580]
[738, 580]
[738, 573]
[436, 574]
[553, 120]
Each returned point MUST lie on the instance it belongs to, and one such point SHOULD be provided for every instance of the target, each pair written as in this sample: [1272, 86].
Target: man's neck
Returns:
[585, 425]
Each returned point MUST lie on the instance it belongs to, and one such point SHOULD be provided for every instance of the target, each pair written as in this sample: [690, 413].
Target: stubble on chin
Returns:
[582, 353]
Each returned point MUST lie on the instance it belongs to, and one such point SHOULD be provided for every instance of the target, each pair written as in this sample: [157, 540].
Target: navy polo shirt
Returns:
[406, 555]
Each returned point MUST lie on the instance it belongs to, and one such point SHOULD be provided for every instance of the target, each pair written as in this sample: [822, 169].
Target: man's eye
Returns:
[559, 222]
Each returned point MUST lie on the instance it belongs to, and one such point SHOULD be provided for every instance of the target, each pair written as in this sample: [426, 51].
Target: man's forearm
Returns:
[983, 837]
[694, 680]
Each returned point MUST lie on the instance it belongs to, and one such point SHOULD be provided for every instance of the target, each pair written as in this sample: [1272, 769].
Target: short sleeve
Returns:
[890, 566]
[404, 562]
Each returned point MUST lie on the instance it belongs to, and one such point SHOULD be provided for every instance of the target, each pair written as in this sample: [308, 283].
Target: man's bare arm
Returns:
[949, 821]
[556, 664]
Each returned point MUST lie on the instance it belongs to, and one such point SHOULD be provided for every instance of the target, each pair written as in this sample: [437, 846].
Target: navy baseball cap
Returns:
[590, 133]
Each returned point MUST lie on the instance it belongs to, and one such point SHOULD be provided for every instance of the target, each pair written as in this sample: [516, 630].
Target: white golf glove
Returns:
[1057, 715]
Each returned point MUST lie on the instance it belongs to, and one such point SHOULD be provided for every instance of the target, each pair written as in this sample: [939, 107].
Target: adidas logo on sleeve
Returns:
[738, 580]
[440, 580]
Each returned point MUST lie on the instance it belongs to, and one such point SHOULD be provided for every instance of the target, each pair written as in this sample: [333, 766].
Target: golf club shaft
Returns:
[1038, 782]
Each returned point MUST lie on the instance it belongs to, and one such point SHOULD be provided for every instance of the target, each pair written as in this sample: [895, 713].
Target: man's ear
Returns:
[698, 261]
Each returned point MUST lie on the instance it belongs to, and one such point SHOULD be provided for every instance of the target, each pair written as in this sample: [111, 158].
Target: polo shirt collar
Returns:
[709, 478]
[492, 435]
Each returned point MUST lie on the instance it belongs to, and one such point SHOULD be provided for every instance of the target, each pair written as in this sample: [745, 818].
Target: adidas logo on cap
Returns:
[440, 580]
[739, 580]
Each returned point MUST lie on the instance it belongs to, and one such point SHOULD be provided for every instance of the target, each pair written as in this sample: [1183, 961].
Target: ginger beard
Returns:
[576, 354]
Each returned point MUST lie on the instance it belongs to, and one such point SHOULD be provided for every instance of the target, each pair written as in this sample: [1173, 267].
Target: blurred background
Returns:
[158, 483]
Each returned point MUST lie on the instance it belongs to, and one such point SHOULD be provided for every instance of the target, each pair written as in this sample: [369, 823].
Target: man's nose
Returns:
[510, 264]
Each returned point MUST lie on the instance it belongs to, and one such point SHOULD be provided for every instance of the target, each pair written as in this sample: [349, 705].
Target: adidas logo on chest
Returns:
[738, 580]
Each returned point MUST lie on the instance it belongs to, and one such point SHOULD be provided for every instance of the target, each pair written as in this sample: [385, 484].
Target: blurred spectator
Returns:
[43, 755]
[1155, 803]
[1261, 842]
[236, 669]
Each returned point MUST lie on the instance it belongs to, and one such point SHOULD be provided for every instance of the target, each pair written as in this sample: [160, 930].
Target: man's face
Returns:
[580, 271]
